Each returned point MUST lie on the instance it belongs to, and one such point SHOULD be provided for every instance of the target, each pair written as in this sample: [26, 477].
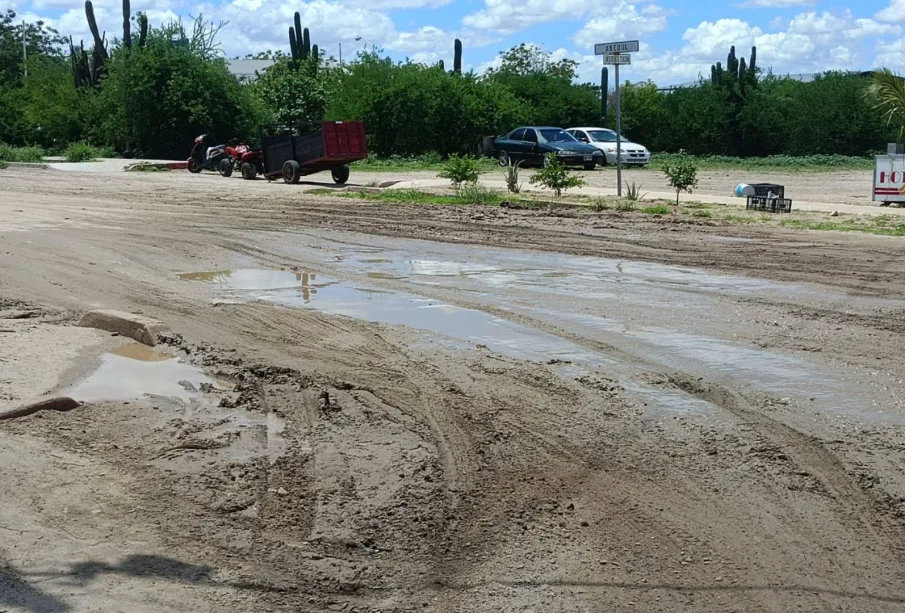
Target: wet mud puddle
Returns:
[456, 326]
[136, 372]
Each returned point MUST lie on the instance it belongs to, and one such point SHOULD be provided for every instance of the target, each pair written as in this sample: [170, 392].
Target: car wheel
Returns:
[504, 158]
[546, 162]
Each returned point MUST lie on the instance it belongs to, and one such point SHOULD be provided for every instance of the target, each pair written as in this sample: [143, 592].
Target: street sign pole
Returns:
[618, 137]
[617, 54]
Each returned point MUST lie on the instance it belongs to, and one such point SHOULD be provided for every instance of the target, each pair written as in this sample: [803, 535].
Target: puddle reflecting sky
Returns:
[134, 371]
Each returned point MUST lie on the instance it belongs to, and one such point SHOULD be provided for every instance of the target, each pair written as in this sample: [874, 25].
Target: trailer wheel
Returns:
[292, 172]
[225, 168]
[192, 166]
[249, 171]
[341, 174]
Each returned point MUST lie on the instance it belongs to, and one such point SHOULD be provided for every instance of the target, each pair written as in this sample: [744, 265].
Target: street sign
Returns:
[627, 46]
[617, 58]
[617, 55]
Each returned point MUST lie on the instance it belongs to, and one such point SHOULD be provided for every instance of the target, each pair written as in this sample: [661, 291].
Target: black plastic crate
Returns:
[769, 190]
[769, 205]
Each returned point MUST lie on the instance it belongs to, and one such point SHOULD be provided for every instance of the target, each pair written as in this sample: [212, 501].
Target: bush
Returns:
[460, 171]
[555, 176]
[655, 210]
[21, 154]
[79, 152]
[511, 176]
[474, 193]
[160, 99]
[682, 173]
[633, 191]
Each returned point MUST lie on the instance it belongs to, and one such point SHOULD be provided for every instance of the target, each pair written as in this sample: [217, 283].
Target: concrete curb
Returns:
[35, 165]
[142, 329]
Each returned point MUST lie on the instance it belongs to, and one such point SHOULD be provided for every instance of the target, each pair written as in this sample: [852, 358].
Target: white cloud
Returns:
[890, 55]
[829, 27]
[894, 12]
[621, 21]
[711, 40]
[774, 4]
[388, 5]
[267, 26]
[504, 17]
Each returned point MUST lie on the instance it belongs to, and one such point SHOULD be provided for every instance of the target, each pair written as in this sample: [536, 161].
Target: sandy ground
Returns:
[409, 408]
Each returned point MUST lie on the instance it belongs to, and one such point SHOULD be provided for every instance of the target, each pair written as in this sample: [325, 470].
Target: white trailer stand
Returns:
[889, 179]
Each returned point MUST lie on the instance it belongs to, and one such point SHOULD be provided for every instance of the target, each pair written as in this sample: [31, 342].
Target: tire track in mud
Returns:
[860, 510]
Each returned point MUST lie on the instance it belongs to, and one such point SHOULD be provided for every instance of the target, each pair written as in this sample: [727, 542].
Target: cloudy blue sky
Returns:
[679, 38]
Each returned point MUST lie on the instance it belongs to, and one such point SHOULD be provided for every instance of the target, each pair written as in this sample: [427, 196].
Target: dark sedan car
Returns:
[531, 145]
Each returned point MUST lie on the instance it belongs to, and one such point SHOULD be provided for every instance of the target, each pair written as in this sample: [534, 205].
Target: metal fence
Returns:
[803, 77]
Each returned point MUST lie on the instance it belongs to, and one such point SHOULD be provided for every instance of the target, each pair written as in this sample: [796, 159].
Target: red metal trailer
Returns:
[293, 152]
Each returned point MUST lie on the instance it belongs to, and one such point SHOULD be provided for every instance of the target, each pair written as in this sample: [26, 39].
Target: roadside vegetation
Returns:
[696, 213]
[155, 96]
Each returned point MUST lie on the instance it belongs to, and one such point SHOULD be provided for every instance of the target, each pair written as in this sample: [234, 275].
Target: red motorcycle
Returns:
[249, 161]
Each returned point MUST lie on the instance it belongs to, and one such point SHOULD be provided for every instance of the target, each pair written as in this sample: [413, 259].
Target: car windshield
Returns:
[555, 135]
[603, 136]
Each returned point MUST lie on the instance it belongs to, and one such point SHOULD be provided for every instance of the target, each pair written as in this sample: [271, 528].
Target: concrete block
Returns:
[142, 329]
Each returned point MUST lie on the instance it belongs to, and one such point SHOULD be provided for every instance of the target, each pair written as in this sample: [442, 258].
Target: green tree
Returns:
[644, 113]
[40, 41]
[555, 176]
[887, 93]
[159, 99]
[682, 173]
[545, 86]
[292, 96]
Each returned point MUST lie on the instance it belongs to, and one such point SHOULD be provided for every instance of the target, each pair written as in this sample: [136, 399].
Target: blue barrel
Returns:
[743, 189]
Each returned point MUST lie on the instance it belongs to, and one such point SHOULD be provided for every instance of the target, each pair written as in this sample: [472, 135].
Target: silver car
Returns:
[605, 140]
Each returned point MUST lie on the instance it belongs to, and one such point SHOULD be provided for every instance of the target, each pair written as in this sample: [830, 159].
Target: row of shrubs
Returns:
[73, 152]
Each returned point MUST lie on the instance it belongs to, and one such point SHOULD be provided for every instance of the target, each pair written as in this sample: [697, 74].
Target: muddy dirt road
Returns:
[388, 408]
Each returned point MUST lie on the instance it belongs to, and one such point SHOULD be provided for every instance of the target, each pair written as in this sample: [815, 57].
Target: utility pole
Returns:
[24, 49]
[340, 55]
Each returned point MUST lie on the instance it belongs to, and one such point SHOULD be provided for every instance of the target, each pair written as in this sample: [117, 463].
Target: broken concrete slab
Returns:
[142, 329]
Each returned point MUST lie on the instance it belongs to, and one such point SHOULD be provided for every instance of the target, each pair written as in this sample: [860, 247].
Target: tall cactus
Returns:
[297, 22]
[293, 46]
[99, 47]
[441, 65]
[306, 44]
[127, 24]
[736, 70]
[457, 59]
[142, 30]
[315, 58]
